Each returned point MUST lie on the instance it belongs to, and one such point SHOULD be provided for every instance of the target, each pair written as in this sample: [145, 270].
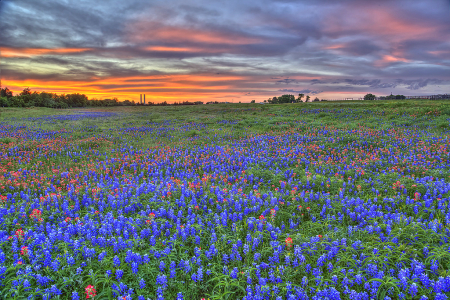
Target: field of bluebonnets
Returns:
[303, 201]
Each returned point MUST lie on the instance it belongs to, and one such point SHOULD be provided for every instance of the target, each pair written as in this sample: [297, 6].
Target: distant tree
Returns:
[274, 100]
[286, 99]
[369, 97]
[400, 97]
[26, 91]
[307, 98]
[300, 96]
[75, 100]
[265, 101]
[390, 97]
[253, 101]
[6, 93]
[316, 99]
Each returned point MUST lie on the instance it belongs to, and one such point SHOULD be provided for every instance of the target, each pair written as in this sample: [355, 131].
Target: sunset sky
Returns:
[226, 50]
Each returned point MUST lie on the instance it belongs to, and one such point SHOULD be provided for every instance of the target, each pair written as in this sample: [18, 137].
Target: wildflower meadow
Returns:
[231, 201]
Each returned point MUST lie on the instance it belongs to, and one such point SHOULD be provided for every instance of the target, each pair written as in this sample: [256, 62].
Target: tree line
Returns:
[288, 98]
[27, 98]
[390, 97]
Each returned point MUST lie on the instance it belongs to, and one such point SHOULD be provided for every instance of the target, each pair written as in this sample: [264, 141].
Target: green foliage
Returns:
[4, 102]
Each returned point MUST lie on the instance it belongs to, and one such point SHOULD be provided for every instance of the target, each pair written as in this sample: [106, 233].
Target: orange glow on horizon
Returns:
[182, 49]
[29, 52]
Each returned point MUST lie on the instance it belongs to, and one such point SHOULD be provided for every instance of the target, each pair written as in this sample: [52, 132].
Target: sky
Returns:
[185, 50]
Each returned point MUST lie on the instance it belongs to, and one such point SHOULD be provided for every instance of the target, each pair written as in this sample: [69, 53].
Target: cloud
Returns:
[356, 47]
[287, 81]
[420, 83]
[375, 83]
[174, 48]
[305, 91]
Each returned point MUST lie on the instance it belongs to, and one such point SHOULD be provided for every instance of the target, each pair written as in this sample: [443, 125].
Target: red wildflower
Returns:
[289, 242]
[24, 251]
[90, 292]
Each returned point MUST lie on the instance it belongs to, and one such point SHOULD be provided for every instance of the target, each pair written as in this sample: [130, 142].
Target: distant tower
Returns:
[144, 99]
[141, 97]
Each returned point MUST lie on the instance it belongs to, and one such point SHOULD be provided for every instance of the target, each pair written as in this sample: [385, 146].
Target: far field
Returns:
[345, 200]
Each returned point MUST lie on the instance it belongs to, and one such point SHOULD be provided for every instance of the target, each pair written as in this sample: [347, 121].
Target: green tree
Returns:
[300, 96]
[16, 101]
[369, 97]
[286, 99]
[307, 98]
[316, 99]
[253, 101]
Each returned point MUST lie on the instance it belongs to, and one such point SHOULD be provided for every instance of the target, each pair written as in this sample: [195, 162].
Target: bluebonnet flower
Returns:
[116, 261]
[75, 296]
[234, 273]
[54, 290]
[162, 281]
[70, 260]
[101, 256]
[413, 290]
[200, 274]
[119, 274]
[142, 283]
[162, 266]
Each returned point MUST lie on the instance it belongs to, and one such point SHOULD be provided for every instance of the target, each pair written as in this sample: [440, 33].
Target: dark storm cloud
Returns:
[347, 45]
[287, 81]
[419, 83]
[375, 83]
